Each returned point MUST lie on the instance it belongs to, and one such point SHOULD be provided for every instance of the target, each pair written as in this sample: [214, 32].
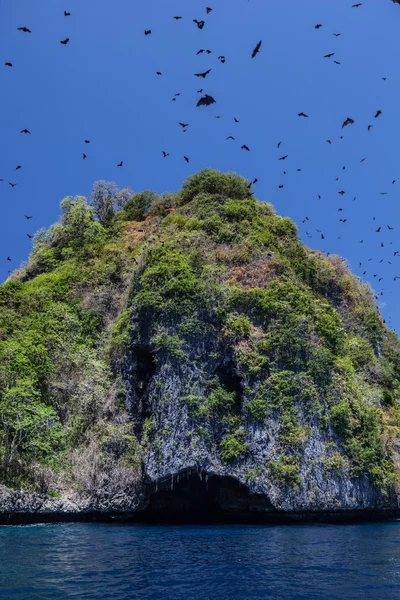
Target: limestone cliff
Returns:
[187, 354]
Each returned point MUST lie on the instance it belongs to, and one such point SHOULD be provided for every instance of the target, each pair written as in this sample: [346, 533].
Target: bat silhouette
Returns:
[24, 29]
[200, 24]
[203, 75]
[348, 121]
[8, 64]
[147, 31]
[244, 147]
[65, 42]
[256, 49]
[301, 114]
[206, 101]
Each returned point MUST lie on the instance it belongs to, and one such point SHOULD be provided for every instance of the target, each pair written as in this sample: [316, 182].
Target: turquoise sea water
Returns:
[225, 562]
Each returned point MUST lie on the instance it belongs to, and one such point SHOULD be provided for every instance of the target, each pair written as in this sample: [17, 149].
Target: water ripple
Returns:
[113, 561]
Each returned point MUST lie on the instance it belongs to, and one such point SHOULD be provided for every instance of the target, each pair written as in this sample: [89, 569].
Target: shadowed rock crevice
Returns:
[232, 383]
[143, 370]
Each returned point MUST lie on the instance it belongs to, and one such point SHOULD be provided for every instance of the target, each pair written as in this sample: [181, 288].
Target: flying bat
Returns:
[24, 29]
[348, 121]
[200, 24]
[203, 75]
[256, 49]
[65, 42]
[206, 101]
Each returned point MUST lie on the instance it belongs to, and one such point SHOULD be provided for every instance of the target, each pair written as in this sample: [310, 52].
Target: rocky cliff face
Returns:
[221, 368]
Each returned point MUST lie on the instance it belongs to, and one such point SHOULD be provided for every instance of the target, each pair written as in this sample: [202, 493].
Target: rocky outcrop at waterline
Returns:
[187, 356]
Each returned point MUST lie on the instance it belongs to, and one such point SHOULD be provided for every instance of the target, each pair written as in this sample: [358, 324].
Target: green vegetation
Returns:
[285, 471]
[233, 446]
[212, 287]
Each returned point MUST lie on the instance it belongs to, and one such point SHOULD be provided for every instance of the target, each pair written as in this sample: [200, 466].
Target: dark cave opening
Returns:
[193, 498]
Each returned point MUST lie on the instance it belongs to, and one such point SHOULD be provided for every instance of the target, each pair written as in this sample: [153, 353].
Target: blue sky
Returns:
[103, 86]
